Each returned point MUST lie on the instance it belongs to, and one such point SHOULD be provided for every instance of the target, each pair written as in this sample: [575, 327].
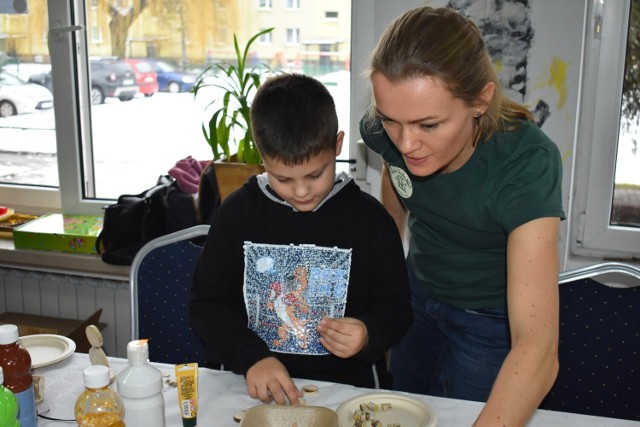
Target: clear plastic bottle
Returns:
[140, 387]
[16, 364]
[8, 405]
[98, 405]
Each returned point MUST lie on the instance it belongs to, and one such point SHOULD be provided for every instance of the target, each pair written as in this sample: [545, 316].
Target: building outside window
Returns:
[293, 35]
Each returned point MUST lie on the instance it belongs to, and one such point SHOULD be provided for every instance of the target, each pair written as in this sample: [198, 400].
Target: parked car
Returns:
[19, 97]
[112, 78]
[146, 78]
[109, 78]
[170, 78]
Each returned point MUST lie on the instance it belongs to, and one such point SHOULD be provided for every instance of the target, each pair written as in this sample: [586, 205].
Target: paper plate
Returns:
[46, 349]
[404, 411]
[280, 415]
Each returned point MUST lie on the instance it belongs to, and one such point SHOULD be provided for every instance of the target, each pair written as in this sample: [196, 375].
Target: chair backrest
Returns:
[160, 282]
[599, 348]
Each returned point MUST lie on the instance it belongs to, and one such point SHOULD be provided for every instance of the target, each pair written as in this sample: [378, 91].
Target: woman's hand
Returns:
[268, 380]
[343, 337]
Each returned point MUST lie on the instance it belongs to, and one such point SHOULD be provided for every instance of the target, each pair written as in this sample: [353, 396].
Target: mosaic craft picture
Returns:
[288, 289]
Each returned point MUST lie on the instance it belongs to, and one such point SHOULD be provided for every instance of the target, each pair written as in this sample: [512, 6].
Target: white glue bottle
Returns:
[140, 387]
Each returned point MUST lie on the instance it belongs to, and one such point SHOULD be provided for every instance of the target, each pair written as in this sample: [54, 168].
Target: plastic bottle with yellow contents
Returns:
[98, 405]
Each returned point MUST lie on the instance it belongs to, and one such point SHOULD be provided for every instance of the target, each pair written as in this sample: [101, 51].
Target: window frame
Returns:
[331, 18]
[265, 4]
[591, 233]
[69, 66]
[266, 38]
[292, 5]
[292, 36]
[66, 25]
[96, 34]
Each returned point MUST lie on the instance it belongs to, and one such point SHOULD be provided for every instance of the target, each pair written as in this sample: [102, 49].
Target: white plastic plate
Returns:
[46, 349]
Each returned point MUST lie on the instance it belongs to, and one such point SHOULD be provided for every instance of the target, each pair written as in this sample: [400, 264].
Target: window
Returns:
[293, 36]
[292, 4]
[265, 4]
[106, 136]
[265, 38]
[27, 128]
[96, 34]
[607, 206]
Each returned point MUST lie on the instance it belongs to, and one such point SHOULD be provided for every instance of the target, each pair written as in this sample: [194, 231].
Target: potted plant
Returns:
[228, 130]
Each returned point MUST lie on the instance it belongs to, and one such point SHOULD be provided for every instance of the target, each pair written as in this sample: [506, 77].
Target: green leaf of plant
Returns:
[231, 120]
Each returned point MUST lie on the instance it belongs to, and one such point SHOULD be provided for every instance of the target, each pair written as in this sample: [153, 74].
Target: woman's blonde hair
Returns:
[441, 43]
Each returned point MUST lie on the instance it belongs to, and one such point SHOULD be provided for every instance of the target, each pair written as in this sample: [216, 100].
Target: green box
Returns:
[60, 232]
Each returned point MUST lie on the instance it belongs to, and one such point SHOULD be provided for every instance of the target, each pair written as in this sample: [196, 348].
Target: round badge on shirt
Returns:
[401, 181]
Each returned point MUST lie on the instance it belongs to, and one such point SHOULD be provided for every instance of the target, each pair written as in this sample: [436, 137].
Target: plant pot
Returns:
[232, 175]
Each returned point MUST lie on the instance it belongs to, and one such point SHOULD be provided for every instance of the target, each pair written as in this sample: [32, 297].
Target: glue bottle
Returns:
[16, 364]
[8, 405]
[98, 405]
[140, 386]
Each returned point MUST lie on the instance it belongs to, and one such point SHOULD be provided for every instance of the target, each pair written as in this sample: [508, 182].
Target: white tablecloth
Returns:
[222, 394]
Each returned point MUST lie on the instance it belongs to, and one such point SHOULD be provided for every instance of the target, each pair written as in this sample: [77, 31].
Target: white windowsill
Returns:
[60, 262]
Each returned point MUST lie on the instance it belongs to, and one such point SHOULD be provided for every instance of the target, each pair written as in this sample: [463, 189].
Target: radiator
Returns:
[72, 297]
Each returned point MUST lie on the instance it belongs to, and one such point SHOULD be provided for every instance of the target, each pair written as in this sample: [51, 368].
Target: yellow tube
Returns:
[187, 379]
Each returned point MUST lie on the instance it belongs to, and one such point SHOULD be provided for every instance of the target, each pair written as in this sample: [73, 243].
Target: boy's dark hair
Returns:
[293, 118]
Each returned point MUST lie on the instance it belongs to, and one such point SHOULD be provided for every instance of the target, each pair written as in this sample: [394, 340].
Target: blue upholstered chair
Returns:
[599, 347]
[160, 282]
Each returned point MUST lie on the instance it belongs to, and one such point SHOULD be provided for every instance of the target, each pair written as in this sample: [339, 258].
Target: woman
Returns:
[480, 185]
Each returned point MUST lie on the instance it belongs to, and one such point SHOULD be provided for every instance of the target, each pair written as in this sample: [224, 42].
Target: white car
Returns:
[19, 97]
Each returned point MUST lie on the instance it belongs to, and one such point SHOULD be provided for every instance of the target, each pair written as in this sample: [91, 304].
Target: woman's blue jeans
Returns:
[448, 351]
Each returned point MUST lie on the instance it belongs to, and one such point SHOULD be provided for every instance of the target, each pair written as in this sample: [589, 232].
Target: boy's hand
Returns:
[343, 337]
[269, 380]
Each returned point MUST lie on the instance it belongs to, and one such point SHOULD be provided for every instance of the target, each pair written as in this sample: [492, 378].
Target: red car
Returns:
[146, 78]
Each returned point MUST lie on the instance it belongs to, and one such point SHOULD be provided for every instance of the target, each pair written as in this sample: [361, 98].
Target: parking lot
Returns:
[133, 142]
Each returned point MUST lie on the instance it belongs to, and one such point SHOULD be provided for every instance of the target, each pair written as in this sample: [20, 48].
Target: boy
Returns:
[302, 274]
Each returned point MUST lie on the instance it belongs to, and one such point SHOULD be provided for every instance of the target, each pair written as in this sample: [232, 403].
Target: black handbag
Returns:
[139, 218]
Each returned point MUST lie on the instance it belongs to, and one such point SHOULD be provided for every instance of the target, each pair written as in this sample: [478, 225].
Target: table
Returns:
[222, 394]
